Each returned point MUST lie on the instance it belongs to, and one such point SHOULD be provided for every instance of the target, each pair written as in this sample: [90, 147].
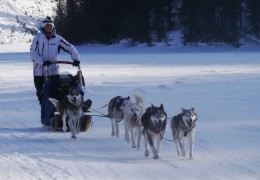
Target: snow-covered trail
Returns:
[225, 95]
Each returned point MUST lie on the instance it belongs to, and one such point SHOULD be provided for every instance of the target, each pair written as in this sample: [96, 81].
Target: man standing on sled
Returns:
[44, 53]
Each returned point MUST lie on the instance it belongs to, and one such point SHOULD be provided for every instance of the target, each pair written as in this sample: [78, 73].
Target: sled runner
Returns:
[58, 87]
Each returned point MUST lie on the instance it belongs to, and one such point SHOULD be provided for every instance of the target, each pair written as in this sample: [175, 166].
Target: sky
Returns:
[220, 82]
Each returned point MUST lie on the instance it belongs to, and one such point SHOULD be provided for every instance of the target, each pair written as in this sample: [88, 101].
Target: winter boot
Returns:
[86, 105]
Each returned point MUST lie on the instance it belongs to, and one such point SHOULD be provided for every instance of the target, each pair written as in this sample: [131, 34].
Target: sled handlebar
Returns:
[62, 62]
[79, 72]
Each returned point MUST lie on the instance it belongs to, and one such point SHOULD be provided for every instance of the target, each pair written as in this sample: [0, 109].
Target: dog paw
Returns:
[134, 146]
[146, 153]
[155, 157]
[64, 129]
[73, 136]
[113, 134]
[191, 157]
[127, 139]
[178, 154]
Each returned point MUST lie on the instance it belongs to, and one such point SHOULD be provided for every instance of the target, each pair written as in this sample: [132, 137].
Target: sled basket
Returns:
[85, 122]
[63, 82]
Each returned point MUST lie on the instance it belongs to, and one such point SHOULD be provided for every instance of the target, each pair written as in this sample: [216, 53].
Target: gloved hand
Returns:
[76, 63]
[46, 63]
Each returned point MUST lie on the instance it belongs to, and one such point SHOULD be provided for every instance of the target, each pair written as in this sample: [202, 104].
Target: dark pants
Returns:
[52, 89]
[49, 90]
[39, 83]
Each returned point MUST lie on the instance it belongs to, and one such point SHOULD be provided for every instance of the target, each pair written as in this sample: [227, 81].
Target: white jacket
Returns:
[43, 49]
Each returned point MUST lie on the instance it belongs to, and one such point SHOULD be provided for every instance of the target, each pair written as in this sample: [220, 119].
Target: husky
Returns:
[116, 108]
[132, 120]
[154, 123]
[183, 125]
[71, 110]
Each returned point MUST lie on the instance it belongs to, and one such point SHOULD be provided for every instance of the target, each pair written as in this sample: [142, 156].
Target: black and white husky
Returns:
[183, 125]
[71, 110]
[116, 109]
[132, 120]
[154, 123]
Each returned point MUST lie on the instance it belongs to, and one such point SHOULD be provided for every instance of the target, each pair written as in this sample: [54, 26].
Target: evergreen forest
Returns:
[149, 21]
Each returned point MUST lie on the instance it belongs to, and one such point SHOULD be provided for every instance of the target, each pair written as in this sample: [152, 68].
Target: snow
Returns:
[221, 83]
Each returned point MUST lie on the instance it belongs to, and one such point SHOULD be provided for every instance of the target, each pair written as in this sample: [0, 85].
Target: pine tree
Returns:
[189, 20]
[254, 17]
[228, 14]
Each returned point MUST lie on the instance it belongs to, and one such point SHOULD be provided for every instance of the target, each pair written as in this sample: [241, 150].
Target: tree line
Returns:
[148, 21]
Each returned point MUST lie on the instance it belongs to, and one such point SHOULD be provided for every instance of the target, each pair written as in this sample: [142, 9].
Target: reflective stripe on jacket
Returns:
[43, 49]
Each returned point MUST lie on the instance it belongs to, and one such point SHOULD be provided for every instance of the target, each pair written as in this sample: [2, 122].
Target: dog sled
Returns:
[57, 87]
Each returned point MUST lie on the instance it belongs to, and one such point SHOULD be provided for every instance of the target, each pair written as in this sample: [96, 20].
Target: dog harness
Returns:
[180, 124]
[157, 127]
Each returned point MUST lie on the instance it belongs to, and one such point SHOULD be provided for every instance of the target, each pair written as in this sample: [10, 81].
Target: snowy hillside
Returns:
[18, 18]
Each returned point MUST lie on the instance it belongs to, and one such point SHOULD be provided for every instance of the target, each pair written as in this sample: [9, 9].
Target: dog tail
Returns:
[138, 99]
[56, 103]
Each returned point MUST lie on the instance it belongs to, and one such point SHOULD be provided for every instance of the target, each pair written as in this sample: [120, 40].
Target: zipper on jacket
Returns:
[48, 50]
[43, 48]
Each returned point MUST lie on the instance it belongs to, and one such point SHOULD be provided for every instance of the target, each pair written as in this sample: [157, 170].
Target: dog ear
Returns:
[128, 97]
[152, 106]
[192, 109]
[182, 109]
[161, 107]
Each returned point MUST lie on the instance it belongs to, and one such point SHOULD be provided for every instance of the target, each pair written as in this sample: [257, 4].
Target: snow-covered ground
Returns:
[222, 84]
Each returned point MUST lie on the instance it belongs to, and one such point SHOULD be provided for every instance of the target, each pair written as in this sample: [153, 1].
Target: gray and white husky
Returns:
[154, 122]
[116, 107]
[132, 120]
[71, 110]
[183, 125]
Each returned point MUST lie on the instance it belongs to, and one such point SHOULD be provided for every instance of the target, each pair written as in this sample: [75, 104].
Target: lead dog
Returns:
[132, 120]
[183, 125]
[116, 107]
[154, 123]
[71, 110]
